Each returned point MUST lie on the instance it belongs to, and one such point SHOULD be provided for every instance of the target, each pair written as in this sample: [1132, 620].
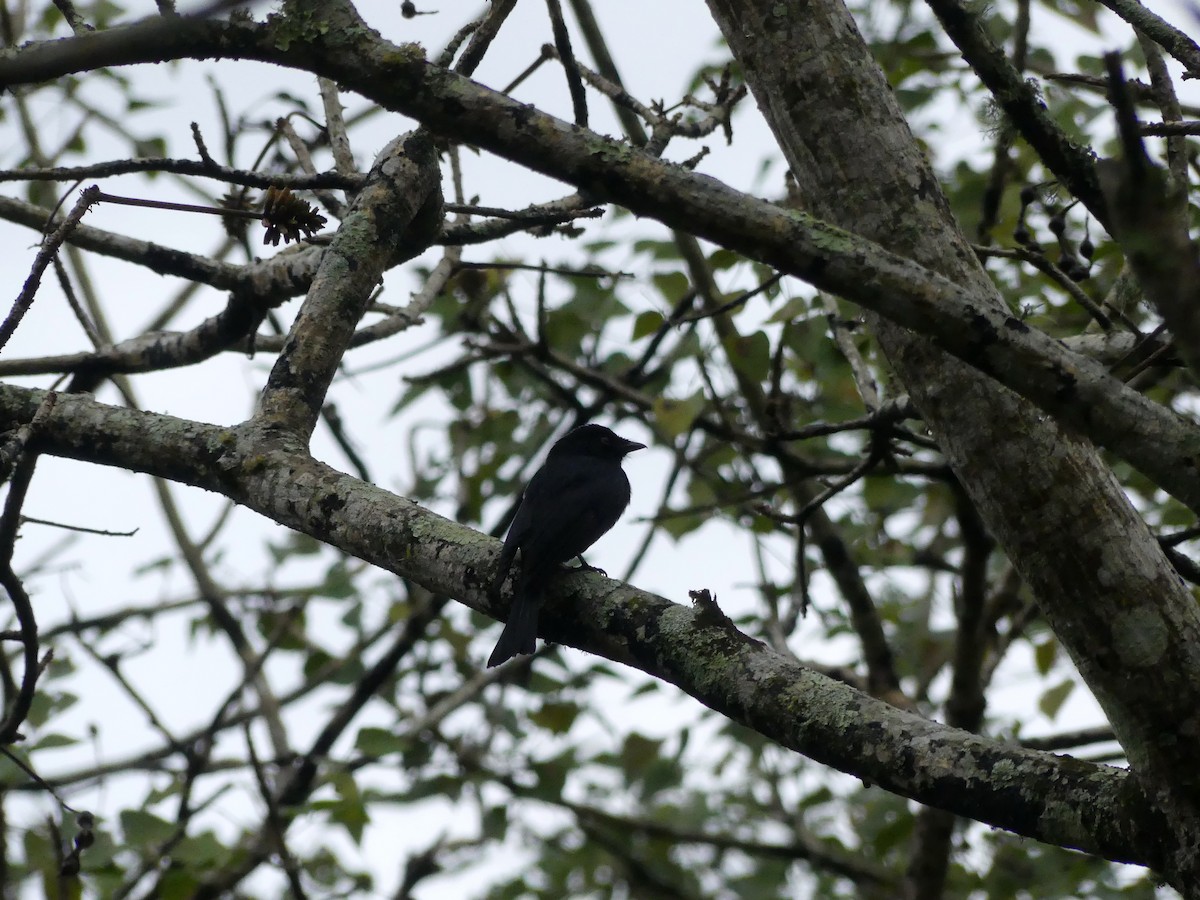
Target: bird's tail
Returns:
[520, 631]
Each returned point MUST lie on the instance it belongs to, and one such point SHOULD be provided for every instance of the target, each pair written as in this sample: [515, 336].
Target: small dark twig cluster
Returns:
[84, 838]
[1075, 260]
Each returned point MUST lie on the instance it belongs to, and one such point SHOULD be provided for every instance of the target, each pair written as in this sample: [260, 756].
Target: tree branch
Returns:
[1077, 391]
[395, 215]
[1058, 800]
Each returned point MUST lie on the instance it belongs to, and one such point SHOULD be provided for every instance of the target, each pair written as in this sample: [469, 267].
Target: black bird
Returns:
[573, 499]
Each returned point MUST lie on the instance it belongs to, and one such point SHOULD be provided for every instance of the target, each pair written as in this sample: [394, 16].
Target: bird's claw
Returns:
[585, 566]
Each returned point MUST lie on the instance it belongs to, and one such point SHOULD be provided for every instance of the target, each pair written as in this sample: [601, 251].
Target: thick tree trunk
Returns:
[1100, 579]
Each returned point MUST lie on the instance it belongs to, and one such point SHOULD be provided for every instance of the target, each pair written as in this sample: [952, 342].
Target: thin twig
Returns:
[10, 522]
[74, 19]
[274, 821]
[79, 528]
[483, 36]
[178, 207]
[201, 169]
[335, 128]
[562, 42]
[738, 301]
[47, 251]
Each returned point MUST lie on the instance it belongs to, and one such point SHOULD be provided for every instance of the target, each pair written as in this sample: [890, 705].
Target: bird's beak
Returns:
[629, 446]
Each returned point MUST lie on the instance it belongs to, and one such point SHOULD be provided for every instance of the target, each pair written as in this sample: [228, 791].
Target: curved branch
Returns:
[1077, 391]
[160, 350]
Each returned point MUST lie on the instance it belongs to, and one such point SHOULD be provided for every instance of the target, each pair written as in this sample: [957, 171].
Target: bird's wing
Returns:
[568, 505]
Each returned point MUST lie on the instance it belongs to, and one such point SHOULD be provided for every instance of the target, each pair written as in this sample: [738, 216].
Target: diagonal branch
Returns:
[1150, 222]
[1162, 32]
[396, 215]
[1058, 800]
[1071, 164]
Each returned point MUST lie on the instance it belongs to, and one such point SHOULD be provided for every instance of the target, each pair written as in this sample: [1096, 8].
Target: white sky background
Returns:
[657, 46]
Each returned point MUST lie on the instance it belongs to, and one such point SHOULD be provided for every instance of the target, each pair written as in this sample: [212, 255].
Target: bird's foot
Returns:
[584, 566]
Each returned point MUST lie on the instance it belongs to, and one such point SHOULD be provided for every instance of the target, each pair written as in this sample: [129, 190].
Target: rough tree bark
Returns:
[1100, 577]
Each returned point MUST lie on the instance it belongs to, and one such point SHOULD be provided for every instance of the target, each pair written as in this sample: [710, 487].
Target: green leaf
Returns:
[295, 544]
[376, 742]
[350, 810]
[893, 833]
[177, 884]
[155, 565]
[674, 286]
[494, 824]
[647, 323]
[201, 850]
[556, 717]
[1044, 655]
[675, 417]
[443, 787]
[657, 249]
[552, 775]
[150, 147]
[679, 525]
[338, 583]
[51, 741]
[143, 829]
[1052, 700]
[637, 754]
[750, 355]
[660, 775]
[794, 308]
[60, 888]
[724, 259]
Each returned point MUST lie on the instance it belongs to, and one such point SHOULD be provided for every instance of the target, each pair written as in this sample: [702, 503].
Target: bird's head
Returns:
[594, 440]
